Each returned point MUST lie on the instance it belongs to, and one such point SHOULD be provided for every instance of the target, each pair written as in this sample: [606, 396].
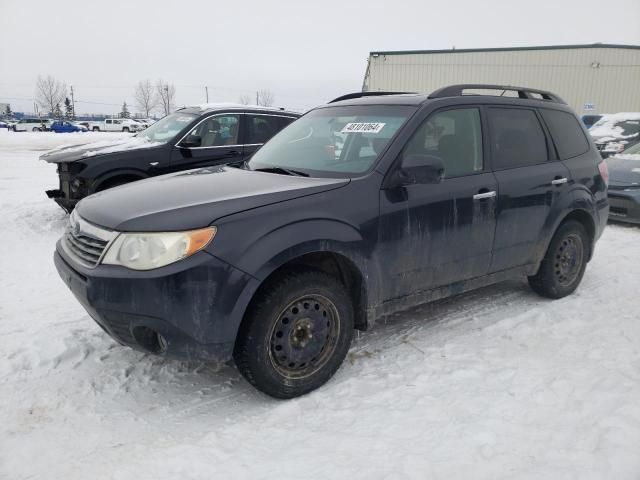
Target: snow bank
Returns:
[497, 383]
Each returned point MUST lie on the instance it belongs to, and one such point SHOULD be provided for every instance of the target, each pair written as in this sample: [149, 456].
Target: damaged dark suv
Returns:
[198, 136]
[363, 207]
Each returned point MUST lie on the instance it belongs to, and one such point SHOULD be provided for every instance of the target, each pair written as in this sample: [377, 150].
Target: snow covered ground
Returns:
[499, 383]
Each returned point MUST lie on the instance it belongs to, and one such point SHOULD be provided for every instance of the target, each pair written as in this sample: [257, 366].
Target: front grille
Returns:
[87, 248]
[84, 242]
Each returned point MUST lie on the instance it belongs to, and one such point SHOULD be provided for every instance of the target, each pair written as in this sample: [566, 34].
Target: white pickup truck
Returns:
[116, 125]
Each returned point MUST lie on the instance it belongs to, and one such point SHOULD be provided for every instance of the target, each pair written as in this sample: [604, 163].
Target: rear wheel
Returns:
[125, 129]
[295, 335]
[96, 129]
[36, 129]
[564, 264]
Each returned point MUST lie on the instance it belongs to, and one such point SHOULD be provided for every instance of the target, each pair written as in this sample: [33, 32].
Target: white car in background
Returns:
[32, 125]
[116, 125]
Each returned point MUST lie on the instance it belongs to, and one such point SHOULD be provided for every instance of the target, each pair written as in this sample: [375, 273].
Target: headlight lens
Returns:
[146, 251]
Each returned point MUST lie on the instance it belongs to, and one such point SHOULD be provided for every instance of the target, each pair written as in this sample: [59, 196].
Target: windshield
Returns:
[168, 127]
[334, 141]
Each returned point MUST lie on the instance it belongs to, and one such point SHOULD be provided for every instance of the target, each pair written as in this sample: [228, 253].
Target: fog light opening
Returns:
[150, 340]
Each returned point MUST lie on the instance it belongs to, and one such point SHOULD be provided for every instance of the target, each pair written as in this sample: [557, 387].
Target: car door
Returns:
[215, 140]
[438, 234]
[530, 183]
[259, 128]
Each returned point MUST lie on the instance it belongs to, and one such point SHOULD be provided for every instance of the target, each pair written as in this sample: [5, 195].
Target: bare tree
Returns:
[166, 95]
[245, 100]
[146, 98]
[49, 93]
[265, 98]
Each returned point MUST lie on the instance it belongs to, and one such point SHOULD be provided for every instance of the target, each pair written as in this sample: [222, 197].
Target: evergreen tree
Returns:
[68, 109]
[8, 113]
[57, 112]
[125, 111]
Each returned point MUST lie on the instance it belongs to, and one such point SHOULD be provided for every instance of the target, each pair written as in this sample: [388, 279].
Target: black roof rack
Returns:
[457, 90]
[349, 96]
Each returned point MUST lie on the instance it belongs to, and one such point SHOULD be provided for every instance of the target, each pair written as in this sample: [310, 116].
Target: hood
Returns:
[194, 199]
[73, 153]
[624, 170]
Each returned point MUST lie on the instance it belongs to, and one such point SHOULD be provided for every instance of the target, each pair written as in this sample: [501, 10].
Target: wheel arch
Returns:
[584, 217]
[333, 263]
[108, 180]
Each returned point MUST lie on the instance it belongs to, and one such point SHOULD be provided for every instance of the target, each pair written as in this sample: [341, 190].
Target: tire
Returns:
[125, 129]
[563, 266]
[280, 347]
[36, 129]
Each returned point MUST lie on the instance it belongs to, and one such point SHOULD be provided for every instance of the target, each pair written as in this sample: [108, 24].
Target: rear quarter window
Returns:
[566, 132]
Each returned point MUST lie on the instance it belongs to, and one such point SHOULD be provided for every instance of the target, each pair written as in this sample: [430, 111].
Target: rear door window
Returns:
[261, 128]
[566, 133]
[517, 138]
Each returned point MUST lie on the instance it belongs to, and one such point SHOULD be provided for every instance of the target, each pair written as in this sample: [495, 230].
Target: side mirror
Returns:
[192, 141]
[420, 169]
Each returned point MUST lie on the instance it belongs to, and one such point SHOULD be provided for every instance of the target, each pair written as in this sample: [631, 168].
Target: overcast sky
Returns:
[304, 52]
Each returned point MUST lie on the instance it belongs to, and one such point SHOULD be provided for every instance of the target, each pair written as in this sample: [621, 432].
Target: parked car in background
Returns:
[4, 124]
[66, 127]
[116, 125]
[624, 185]
[189, 138]
[615, 133]
[144, 122]
[590, 120]
[84, 123]
[276, 261]
[32, 125]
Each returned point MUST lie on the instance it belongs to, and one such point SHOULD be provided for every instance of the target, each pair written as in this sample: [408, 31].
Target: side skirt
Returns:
[407, 302]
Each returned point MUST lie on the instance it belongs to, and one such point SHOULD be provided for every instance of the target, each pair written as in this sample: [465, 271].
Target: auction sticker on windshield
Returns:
[362, 128]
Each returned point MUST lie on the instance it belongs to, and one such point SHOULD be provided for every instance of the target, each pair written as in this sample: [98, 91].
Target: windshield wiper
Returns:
[281, 170]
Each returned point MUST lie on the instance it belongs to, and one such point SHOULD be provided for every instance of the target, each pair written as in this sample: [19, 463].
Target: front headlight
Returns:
[145, 251]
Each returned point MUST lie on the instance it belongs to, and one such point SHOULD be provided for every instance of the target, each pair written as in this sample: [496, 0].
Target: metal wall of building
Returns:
[603, 77]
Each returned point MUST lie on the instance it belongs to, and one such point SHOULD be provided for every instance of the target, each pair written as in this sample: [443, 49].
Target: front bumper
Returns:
[625, 205]
[58, 196]
[190, 309]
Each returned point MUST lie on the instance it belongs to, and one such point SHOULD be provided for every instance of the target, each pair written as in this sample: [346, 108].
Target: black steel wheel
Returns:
[563, 266]
[568, 259]
[304, 337]
[295, 334]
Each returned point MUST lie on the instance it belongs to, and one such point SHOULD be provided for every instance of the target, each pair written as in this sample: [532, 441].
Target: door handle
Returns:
[232, 153]
[559, 181]
[483, 195]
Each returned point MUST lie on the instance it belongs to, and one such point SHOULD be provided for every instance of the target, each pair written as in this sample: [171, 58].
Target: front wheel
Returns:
[36, 129]
[564, 264]
[295, 335]
[125, 129]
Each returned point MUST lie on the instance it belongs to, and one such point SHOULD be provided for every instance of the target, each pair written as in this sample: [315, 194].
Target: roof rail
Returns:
[349, 96]
[457, 90]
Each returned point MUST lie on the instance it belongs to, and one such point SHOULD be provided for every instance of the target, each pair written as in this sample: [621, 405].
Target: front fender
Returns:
[281, 245]
[128, 172]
